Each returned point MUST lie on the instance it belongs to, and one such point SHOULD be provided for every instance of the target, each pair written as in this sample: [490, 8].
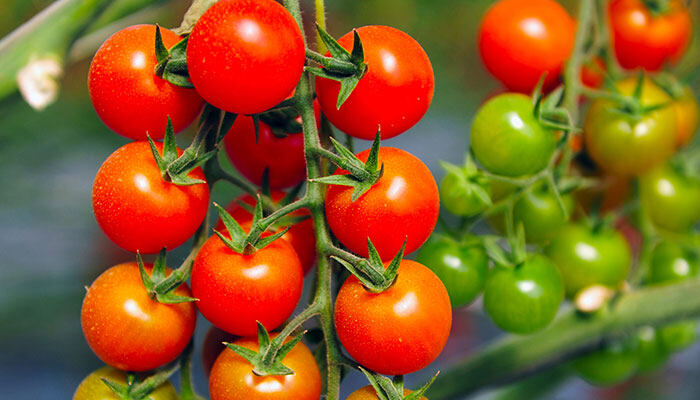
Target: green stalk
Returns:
[573, 67]
[321, 21]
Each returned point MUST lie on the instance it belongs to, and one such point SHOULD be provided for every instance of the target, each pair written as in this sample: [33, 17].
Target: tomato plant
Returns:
[213, 345]
[93, 388]
[369, 393]
[651, 352]
[671, 262]
[593, 73]
[670, 198]
[612, 364]
[687, 117]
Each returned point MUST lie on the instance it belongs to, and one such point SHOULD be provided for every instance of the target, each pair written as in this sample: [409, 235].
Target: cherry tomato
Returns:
[678, 335]
[645, 138]
[402, 205]
[462, 267]
[126, 93]
[236, 290]
[368, 393]
[593, 73]
[612, 364]
[525, 298]
[395, 92]
[672, 263]
[126, 328]
[644, 38]
[458, 196]
[245, 56]
[93, 388]
[213, 346]
[588, 256]
[520, 40]
[400, 330]
[232, 377]
[507, 139]
[670, 198]
[651, 352]
[687, 117]
[139, 210]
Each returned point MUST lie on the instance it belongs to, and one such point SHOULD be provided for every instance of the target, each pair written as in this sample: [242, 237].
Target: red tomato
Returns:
[400, 330]
[593, 73]
[643, 39]
[126, 328]
[127, 95]
[236, 290]
[232, 377]
[245, 56]
[403, 205]
[395, 92]
[139, 210]
[519, 40]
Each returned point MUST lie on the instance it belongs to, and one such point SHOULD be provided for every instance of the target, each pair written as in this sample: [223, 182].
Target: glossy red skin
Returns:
[400, 330]
[519, 40]
[137, 209]
[126, 93]
[126, 328]
[395, 92]
[641, 39]
[301, 235]
[245, 56]
[236, 290]
[402, 205]
[232, 377]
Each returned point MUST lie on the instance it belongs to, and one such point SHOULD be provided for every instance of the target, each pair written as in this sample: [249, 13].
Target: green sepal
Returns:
[371, 272]
[548, 110]
[161, 287]
[472, 178]
[175, 169]
[134, 390]
[240, 241]
[212, 116]
[268, 359]
[172, 64]
[495, 251]
[392, 389]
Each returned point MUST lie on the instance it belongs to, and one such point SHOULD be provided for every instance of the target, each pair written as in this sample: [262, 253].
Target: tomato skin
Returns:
[137, 209]
[127, 329]
[380, 330]
[519, 40]
[593, 73]
[670, 198]
[93, 388]
[461, 267]
[395, 92]
[505, 129]
[245, 56]
[127, 95]
[232, 376]
[646, 139]
[615, 363]
[687, 117]
[651, 352]
[525, 298]
[264, 286]
[672, 263]
[368, 393]
[678, 335]
[402, 205]
[642, 39]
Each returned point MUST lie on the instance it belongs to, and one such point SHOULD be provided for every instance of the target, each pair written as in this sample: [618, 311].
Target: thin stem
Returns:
[320, 21]
[358, 173]
[573, 67]
[265, 223]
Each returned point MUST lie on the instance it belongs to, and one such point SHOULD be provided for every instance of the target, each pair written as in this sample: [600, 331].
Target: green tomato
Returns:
[507, 139]
[670, 199]
[459, 194]
[651, 352]
[586, 257]
[614, 363]
[678, 335]
[525, 298]
[671, 262]
[93, 388]
[462, 268]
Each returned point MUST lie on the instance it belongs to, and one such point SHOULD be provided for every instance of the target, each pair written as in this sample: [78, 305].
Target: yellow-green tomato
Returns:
[93, 388]
[614, 363]
[670, 198]
[678, 335]
[687, 117]
[652, 353]
[671, 262]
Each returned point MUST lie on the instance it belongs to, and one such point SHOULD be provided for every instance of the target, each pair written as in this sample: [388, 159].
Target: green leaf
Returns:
[495, 251]
[263, 242]
[336, 50]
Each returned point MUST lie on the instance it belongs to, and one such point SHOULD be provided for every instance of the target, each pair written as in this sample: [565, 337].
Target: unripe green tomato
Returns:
[671, 262]
[587, 256]
[93, 388]
[507, 139]
[670, 199]
[461, 267]
[652, 354]
[614, 363]
[525, 298]
[458, 197]
[678, 335]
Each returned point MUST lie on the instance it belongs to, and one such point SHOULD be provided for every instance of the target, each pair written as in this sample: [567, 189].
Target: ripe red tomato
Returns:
[232, 377]
[519, 40]
[245, 56]
[139, 210]
[643, 38]
[127, 95]
[397, 331]
[93, 388]
[402, 205]
[126, 328]
[593, 73]
[368, 393]
[236, 290]
[395, 92]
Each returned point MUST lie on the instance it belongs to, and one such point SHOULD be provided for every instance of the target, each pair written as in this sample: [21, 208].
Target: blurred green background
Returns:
[51, 247]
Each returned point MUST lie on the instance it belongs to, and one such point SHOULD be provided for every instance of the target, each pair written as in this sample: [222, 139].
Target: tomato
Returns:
[678, 335]
[245, 56]
[612, 364]
[670, 198]
[647, 39]
[301, 235]
[593, 73]
[400, 330]
[645, 139]
[139, 210]
[520, 40]
[232, 376]
[368, 393]
[458, 196]
[395, 92]
[687, 117]
[525, 298]
[588, 256]
[126, 328]
[93, 388]
[651, 352]
[462, 267]
[402, 205]
[213, 345]
[672, 263]
[507, 139]
[126, 93]
[236, 290]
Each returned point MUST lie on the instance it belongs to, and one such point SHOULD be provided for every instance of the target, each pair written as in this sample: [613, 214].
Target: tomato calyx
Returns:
[161, 287]
[393, 389]
[548, 111]
[658, 7]
[470, 180]
[242, 242]
[135, 390]
[268, 359]
[172, 64]
[371, 271]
